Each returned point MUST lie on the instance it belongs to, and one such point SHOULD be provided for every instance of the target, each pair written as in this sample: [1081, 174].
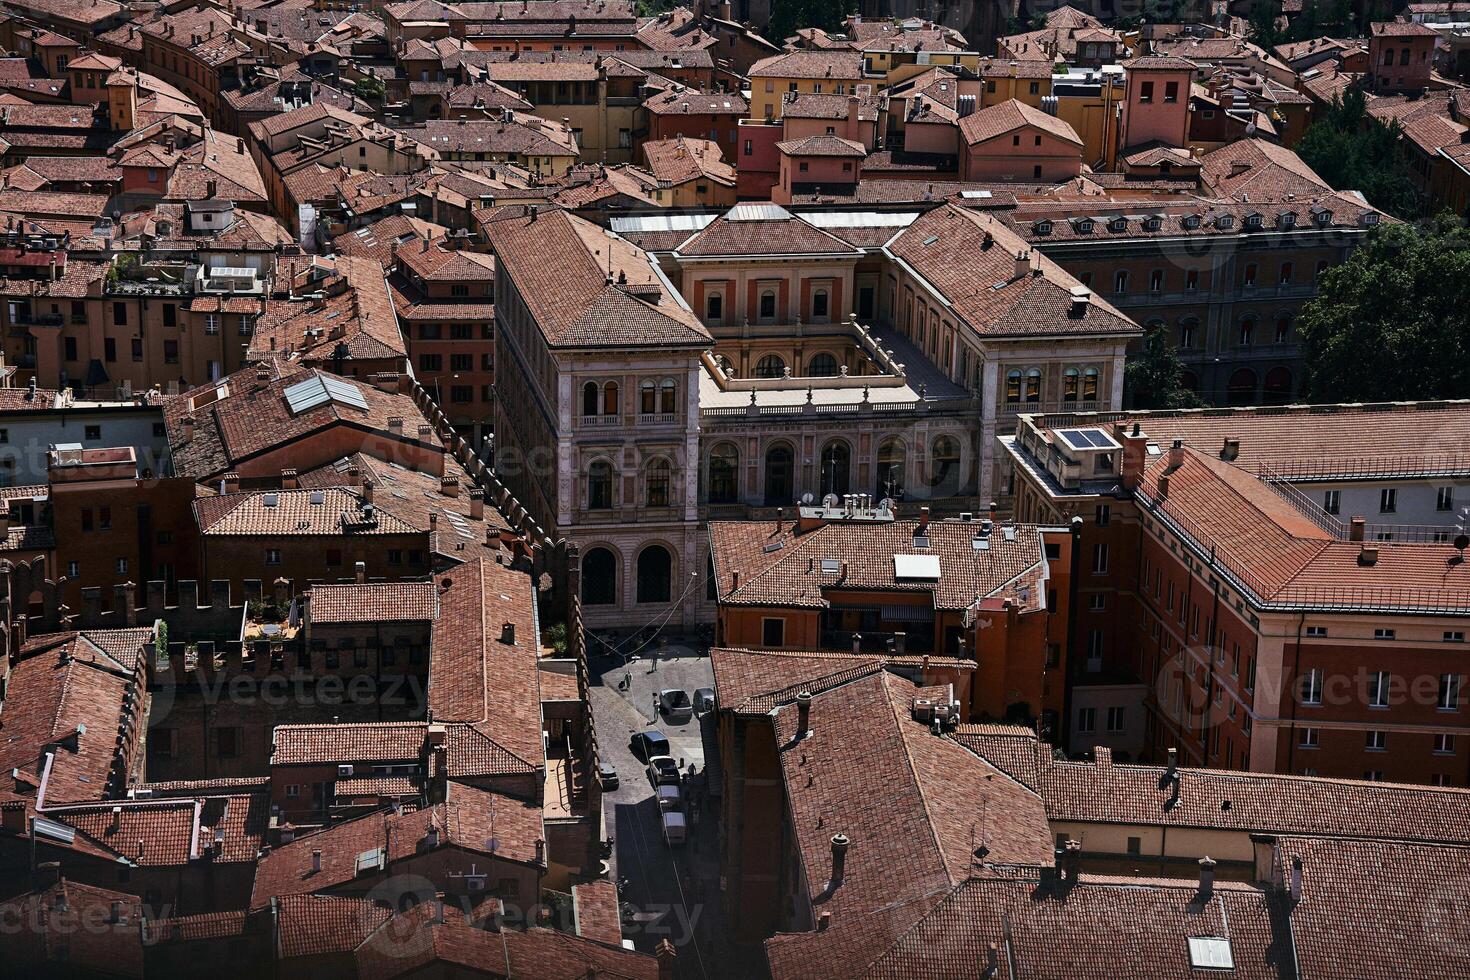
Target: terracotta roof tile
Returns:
[1003, 117]
[371, 742]
[390, 602]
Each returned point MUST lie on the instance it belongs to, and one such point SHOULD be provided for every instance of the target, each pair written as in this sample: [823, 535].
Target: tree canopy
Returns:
[1393, 322]
[1352, 151]
[1154, 378]
[789, 16]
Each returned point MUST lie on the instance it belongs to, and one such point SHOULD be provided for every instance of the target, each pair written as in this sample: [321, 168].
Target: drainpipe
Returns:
[1065, 725]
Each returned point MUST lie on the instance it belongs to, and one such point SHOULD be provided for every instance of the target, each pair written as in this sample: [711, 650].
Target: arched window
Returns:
[724, 471]
[1033, 385]
[819, 306]
[667, 396]
[1278, 386]
[590, 398]
[657, 480]
[1242, 389]
[610, 398]
[1071, 384]
[836, 468]
[768, 305]
[714, 307]
[1089, 384]
[1013, 386]
[1120, 282]
[778, 475]
[823, 365]
[1283, 328]
[770, 366]
[599, 485]
[944, 467]
[647, 396]
[655, 574]
[599, 578]
[890, 476]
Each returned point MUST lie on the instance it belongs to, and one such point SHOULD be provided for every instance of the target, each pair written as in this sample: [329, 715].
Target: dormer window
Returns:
[1324, 217]
[1370, 219]
[1286, 219]
[1225, 222]
[1191, 221]
[1084, 227]
[1118, 224]
[1253, 221]
[1153, 223]
[1042, 227]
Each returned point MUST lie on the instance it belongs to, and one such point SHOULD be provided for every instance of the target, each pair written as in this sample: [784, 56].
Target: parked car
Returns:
[670, 798]
[608, 773]
[646, 745]
[675, 706]
[704, 700]
[663, 771]
[676, 831]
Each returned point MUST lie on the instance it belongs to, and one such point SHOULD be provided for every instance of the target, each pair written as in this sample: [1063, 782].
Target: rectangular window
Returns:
[272, 556]
[1099, 558]
[120, 314]
[1332, 501]
[92, 433]
[1097, 602]
[1316, 631]
[1449, 692]
[1384, 634]
[122, 566]
[109, 349]
[1376, 741]
[137, 348]
[773, 632]
[1094, 643]
[1116, 718]
[1135, 845]
[1309, 738]
[1146, 92]
[170, 315]
[104, 518]
[461, 362]
[1311, 686]
[71, 348]
[1444, 743]
[1388, 500]
[1103, 515]
[1454, 636]
[1373, 775]
[1444, 498]
[1086, 720]
[1378, 689]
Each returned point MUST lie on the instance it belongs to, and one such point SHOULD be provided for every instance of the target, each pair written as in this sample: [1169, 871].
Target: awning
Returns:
[907, 614]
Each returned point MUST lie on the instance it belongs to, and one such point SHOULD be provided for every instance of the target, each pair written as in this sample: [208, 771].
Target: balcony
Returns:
[876, 641]
[26, 318]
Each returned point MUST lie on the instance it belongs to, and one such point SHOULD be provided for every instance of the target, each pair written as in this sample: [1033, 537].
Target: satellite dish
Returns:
[831, 500]
[806, 498]
[887, 503]
[1462, 541]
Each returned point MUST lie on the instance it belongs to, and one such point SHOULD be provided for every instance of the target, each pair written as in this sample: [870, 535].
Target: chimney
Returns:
[1164, 487]
[665, 953]
[289, 479]
[1296, 879]
[508, 633]
[187, 422]
[477, 504]
[367, 491]
[839, 859]
[1368, 556]
[1356, 527]
[1176, 455]
[316, 861]
[361, 569]
[854, 118]
[230, 483]
[1023, 264]
[1072, 860]
[540, 852]
[1081, 299]
[1206, 877]
[1230, 450]
[803, 714]
[432, 838]
[211, 188]
[449, 486]
[923, 527]
[1173, 771]
[1135, 456]
[116, 819]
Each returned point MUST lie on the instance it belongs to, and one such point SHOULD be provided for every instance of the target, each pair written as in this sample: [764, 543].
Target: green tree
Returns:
[1154, 378]
[789, 16]
[1353, 151]
[1263, 28]
[1393, 322]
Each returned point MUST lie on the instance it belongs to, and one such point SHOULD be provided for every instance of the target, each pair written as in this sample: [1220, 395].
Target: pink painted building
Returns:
[818, 164]
[1156, 101]
[1401, 56]
[1014, 141]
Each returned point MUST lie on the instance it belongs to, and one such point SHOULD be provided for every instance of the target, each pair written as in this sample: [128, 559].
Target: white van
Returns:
[676, 831]
[670, 798]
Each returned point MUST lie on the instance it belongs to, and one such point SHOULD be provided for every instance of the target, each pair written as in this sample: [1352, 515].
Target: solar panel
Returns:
[1210, 953]
[319, 390]
[831, 566]
[1087, 439]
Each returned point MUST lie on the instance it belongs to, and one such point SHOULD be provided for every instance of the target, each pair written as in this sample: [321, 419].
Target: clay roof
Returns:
[312, 925]
[762, 229]
[1106, 792]
[1399, 28]
[293, 513]
[374, 602]
[1003, 117]
[684, 159]
[1265, 171]
[376, 240]
[560, 265]
[368, 742]
[69, 928]
[686, 102]
[492, 825]
[947, 246]
[836, 63]
[822, 146]
[806, 105]
[781, 567]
